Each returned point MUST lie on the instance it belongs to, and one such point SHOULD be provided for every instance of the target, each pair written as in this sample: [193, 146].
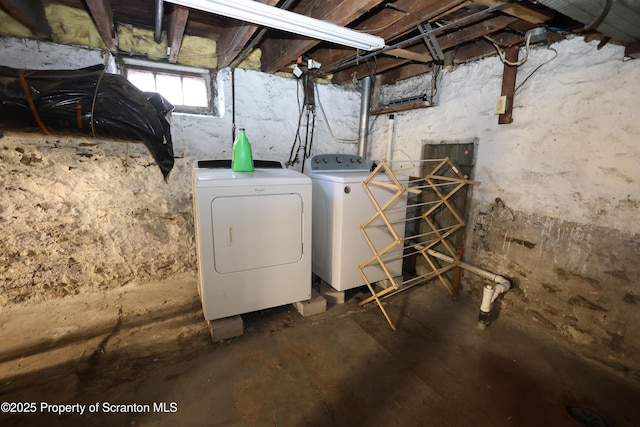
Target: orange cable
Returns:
[25, 87]
[79, 114]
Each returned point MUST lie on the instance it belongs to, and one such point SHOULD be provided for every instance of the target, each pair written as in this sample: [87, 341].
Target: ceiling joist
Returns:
[102, 15]
[277, 52]
[446, 41]
[409, 55]
[459, 28]
[237, 42]
[29, 13]
[526, 12]
[175, 34]
[414, 13]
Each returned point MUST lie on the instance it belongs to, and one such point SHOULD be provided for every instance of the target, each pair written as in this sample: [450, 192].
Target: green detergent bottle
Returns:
[241, 159]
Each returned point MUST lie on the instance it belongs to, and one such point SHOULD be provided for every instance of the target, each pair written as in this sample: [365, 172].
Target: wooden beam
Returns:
[509, 84]
[375, 94]
[278, 53]
[632, 50]
[446, 41]
[390, 24]
[102, 15]
[526, 12]
[29, 13]
[175, 33]
[410, 55]
[233, 41]
[402, 107]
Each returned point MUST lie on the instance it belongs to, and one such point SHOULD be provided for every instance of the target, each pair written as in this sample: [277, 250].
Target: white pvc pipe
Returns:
[365, 102]
[489, 293]
[390, 138]
[487, 299]
[472, 268]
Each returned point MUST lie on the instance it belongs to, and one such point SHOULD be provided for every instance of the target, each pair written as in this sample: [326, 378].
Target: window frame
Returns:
[174, 70]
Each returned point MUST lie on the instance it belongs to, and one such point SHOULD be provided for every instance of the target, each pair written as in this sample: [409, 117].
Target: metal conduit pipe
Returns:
[454, 25]
[363, 134]
[157, 33]
[490, 292]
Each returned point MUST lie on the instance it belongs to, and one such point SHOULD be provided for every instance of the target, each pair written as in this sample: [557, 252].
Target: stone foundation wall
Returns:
[576, 281]
[83, 214]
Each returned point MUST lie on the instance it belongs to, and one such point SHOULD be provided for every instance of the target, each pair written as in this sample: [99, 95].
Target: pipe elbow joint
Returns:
[502, 285]
[489, 295]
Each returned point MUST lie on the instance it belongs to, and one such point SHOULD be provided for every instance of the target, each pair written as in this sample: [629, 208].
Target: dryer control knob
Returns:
[339, 159]
[316, 160]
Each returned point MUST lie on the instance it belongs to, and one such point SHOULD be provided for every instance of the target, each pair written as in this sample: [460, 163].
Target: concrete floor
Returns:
[346, 367]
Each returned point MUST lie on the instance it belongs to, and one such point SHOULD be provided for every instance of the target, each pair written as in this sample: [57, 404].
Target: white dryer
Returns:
[340, 206]
[253, 237]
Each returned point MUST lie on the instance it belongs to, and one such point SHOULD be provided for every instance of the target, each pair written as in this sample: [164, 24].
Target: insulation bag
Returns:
[90, 101]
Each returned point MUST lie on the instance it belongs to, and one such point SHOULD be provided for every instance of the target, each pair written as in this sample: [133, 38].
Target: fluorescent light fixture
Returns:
[273, 17]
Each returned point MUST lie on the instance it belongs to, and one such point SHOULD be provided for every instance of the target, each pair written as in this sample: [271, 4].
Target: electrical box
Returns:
[501, 105]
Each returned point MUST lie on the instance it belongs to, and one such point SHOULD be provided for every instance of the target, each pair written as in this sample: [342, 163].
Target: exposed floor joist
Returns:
[29, 13]
[102, 15]
[175, 33]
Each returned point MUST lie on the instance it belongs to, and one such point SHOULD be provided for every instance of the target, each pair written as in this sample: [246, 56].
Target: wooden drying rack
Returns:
[434, 181]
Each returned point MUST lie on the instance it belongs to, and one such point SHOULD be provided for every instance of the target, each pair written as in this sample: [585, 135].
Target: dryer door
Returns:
[252, 232]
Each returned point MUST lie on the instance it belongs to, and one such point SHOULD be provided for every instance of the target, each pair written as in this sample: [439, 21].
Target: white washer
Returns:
[340, 206]
[253, 237]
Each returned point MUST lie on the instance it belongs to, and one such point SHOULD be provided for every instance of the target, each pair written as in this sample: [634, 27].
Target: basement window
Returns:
[187, 88]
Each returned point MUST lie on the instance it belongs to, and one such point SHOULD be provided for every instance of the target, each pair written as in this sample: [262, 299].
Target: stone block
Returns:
[316, 305]
[330, 294]
[223, 329]
[386, 283]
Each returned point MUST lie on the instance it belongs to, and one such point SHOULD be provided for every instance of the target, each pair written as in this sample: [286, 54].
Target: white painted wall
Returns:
[267, 106]
[572, 150]
[39, 55]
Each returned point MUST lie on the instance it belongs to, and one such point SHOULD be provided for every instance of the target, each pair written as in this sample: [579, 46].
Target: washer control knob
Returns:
[325, 160]
[339, 159]
[316, 160]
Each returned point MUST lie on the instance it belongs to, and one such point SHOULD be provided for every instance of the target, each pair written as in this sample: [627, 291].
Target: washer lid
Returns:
[228, 178]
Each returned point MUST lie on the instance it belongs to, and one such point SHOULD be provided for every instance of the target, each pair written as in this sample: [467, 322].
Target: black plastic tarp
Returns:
[90, 101]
